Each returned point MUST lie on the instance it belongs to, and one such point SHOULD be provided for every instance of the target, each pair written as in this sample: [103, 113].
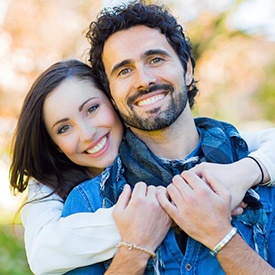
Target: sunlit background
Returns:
[233, 42]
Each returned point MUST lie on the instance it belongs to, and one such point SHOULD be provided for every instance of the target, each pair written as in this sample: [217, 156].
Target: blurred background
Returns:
[233, 42]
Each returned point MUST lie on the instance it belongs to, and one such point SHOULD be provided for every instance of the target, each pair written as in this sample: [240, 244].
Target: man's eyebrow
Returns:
[155, 51]
[120, 64]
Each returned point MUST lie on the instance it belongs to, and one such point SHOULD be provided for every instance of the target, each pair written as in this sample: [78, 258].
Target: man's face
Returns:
[146, 78]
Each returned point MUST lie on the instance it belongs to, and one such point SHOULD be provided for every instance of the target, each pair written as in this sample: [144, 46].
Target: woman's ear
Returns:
[189, 73]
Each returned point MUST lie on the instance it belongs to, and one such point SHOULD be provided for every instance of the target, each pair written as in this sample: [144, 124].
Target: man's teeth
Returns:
[151, 100]
[98, 147]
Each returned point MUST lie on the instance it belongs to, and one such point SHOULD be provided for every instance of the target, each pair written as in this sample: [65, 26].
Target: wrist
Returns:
[250, 171]
[216, 236]
[131, 262]
[131, 246]
[224, 241]
[260, 170]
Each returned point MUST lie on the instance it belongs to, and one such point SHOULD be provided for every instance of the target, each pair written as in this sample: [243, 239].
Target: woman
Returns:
[67, 132]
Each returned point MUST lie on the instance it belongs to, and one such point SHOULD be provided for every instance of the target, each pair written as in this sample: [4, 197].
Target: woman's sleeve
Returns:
[261, 145]
[54, 244]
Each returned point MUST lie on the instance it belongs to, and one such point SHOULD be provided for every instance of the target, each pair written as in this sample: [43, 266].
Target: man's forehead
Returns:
[126, 44]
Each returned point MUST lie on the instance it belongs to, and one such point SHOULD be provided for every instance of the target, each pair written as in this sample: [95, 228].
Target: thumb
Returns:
[215, 184]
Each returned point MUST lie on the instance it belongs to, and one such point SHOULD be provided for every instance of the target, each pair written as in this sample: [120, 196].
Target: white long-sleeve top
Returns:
[55, 245]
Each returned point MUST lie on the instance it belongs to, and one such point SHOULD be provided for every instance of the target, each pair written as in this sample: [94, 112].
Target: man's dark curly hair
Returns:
[125, 16]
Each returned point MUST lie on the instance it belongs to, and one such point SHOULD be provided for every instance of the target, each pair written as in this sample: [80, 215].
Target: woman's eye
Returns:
[92, 109]
[63, 129]
[124, 71]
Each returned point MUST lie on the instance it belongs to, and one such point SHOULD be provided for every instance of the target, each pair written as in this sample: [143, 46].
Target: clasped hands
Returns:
[195, 200]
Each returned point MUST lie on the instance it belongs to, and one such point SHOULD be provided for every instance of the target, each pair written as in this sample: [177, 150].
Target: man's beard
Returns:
[156, 119]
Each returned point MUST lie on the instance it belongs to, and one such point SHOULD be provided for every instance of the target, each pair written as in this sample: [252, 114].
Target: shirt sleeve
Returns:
[261, 145]
[67, 242]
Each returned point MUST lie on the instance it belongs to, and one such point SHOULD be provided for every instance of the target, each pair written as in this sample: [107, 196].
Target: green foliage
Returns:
[12, 253]
[266, 96]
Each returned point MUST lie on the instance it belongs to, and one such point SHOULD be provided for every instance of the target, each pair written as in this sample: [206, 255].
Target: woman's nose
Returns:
[87, 132]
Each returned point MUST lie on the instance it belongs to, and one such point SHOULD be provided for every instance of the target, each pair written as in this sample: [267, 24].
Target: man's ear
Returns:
[189, 73]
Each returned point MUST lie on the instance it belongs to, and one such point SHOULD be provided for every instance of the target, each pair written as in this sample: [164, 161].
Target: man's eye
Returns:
[63, 129]
[124, 71]
[156, 60]
[92, 109]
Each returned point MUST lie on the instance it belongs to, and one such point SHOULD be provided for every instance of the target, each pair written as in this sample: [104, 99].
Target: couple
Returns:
[68, 133]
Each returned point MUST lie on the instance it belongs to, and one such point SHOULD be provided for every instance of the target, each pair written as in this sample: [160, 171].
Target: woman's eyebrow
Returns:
[59, 121]
[82, 105]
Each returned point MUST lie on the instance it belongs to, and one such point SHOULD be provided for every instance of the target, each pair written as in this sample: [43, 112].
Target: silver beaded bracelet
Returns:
[224, 241]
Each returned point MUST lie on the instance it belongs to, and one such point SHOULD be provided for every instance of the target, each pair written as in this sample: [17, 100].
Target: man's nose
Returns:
[144, 78]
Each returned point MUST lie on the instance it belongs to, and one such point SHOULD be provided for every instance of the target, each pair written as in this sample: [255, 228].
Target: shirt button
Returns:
[188, 267]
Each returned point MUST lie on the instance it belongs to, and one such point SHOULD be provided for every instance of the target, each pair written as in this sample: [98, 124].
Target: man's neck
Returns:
[174, 142]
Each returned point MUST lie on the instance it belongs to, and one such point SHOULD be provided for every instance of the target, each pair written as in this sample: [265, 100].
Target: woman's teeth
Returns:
[98, 147]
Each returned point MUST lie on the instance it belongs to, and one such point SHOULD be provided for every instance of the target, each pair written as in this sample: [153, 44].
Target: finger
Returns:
[193, 181]
[161, 187]
[165, 202]
[198, 170]
[215, 184]
[175, 193]
[181, 184]
[140, 189]
[151, 191]
[237, 211]
[123, 199]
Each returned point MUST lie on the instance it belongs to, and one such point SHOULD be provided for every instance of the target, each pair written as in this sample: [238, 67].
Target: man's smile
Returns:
[151, 100]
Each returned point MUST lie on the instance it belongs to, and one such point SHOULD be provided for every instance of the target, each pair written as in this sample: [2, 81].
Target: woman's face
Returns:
[82, 122]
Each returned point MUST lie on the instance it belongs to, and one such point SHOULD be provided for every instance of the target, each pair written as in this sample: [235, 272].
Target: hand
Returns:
[201, 210]
[140, 218]
[239, 209]
[237, 177]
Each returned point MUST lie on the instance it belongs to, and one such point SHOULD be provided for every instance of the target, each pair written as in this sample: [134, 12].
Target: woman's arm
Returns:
[70, 242]
[241, 175]
[261, 145]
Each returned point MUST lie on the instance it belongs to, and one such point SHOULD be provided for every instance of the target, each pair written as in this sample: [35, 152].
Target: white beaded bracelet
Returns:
[224, 241]
[131, 246]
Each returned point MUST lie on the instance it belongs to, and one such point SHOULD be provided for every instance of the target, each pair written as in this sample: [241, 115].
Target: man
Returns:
[143, 59]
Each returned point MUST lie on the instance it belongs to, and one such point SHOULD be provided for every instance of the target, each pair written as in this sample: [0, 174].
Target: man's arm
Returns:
[237, 258]
[128, 262]
[141, 221]
[194, 201]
